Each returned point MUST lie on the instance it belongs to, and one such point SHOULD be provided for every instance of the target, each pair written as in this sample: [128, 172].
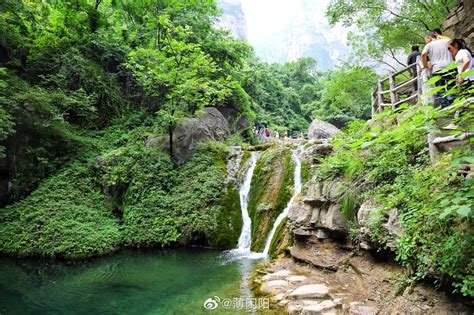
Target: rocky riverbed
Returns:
[360, 285]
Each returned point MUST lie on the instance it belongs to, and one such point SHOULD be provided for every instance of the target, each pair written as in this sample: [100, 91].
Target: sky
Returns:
[266, 17]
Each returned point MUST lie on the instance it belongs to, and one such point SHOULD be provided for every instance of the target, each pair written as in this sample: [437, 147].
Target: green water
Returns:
[129, 282]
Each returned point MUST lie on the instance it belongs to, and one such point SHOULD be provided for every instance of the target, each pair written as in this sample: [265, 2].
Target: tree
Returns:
[281, 94]
[179, 73]
[345, 95]
[6, 120]
[388, 26]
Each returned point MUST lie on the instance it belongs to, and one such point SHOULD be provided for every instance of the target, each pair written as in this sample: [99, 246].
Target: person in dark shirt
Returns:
[415, 52]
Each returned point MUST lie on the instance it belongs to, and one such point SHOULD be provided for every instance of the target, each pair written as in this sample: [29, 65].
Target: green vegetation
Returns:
[389, 162]
[289, 96]
[229, 220]
[343, 95]
[279, 242]
[129, 196]
[178, 71]
[75, 67]
[65, 216]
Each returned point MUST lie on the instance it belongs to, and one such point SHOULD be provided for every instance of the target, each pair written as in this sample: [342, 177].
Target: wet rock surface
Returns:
[360, 285]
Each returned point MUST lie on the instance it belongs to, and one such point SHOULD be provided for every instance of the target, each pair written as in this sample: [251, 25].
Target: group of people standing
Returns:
[262, 133]
[439, 52]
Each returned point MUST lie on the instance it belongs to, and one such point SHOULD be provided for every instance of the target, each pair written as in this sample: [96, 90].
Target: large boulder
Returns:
[237, 121]
[318, 213]
[211, 125]
[321, 130]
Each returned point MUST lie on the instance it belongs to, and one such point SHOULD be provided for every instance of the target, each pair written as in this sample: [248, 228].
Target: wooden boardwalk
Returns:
[403, 87]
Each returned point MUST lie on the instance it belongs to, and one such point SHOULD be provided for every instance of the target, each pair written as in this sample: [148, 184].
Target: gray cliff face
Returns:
[233, 18]
[307, 35]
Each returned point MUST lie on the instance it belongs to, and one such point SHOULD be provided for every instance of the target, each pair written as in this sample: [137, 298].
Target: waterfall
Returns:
[297, 189]
[245, 238]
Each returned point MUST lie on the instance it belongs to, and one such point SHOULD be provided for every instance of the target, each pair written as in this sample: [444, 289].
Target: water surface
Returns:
[128, 282]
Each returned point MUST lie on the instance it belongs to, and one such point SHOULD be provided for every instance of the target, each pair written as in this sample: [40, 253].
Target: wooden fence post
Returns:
[372, 103]
[393, 96]
[379, 96]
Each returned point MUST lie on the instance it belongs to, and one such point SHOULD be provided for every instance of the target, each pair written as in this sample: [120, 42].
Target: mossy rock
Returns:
[229, 220]
[271, 190]
[281, 240]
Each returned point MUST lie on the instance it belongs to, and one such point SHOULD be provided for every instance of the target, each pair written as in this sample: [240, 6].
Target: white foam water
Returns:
[245, 239]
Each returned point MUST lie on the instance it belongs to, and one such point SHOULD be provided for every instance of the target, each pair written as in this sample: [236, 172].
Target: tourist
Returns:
[412, 58]
[261, 131]
[440, 35]
[463, 57]
[267, 134]
[428, 39]
[301, 136]
[276, 135]
[464, 60]
[440, 57]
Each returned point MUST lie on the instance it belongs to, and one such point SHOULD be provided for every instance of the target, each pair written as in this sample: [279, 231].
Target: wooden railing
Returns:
[391, 94]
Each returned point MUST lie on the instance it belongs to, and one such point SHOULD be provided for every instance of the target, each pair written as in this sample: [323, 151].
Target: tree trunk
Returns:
[170, 134]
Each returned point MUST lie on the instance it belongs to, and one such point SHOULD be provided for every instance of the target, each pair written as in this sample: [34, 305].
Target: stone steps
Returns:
[305, 294]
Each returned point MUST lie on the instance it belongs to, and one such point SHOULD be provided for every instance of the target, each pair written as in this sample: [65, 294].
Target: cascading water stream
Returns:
[245, 239]
[297, 190]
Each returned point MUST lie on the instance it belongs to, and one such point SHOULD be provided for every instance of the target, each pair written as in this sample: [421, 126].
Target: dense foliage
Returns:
[128, 196]
[289, 96]
[389, 164]
[75, 66]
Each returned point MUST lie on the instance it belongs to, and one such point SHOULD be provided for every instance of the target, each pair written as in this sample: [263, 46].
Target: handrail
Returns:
[413, 90]
[397, 91]
[404, 69]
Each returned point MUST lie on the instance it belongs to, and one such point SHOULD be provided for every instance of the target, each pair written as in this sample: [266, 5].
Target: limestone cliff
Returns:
[233, 18]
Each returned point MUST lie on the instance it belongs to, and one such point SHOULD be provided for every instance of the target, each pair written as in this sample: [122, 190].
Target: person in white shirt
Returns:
[464, 60]
[463, 57]
[439, 59]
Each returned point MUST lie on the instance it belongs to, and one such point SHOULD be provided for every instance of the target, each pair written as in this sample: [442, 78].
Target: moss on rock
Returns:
[229, 220]
[271, 190]
[280, 241]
